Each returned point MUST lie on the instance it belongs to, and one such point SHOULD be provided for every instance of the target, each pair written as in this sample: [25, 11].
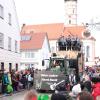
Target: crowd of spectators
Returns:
[16, 80]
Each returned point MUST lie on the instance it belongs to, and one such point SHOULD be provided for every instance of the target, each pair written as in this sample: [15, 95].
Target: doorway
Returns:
[10, 67]
[16, 67]
[2, 66]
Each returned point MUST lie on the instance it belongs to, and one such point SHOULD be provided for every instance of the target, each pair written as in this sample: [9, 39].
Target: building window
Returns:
[27, 54]
[1, 12]
[10, 67]
[1, 40]
[16, 43]
[73, 11]
[52, 49]
[43, 63]
[32, 54]
[9, 18]
[22, 54]
[25, 37]
[2, 66]
[9, 43]
[87, 51]
[16, 67]
[69, 21]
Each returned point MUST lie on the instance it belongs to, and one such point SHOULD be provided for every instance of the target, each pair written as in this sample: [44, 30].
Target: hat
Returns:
[43, 97]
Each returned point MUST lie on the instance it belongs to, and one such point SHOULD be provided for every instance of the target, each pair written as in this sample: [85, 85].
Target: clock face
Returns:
[86, 34]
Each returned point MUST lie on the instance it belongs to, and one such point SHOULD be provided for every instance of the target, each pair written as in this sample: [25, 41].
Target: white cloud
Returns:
[88, 9]
[40, 11]
[51, 11]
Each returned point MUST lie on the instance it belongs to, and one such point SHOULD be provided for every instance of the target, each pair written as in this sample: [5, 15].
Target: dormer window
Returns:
[9, 43]
[1, 40]
[69, 21]
[16, 45]
[87, 51]
[25, 37]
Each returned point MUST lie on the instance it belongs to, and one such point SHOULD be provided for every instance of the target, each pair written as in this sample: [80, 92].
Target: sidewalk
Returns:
[3, 95]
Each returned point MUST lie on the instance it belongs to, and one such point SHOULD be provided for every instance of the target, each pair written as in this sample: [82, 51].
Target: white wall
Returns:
[44, 52]
[91, 44]
[69, 7]
[96, 34]
[9, 31]
[53, 46]
[30, 60]
[45, 49]
[39, 55]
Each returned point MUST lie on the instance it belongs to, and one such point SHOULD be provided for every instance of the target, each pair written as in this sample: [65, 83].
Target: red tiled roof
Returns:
[55, 30]
[35, 42]
[74, 31]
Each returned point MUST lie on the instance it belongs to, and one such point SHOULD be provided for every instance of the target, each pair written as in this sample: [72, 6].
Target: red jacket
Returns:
[96, 90]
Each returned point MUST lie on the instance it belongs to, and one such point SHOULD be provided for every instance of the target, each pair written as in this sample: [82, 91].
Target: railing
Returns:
[68, 48]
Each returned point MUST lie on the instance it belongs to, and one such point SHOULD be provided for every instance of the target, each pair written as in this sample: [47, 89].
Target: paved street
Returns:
[17, 96]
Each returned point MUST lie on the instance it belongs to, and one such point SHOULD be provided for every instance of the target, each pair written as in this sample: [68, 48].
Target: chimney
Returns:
[31, 31]
[22, 27]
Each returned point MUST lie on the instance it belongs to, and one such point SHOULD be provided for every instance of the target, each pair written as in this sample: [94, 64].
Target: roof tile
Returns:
[55, 30]
[35, 42]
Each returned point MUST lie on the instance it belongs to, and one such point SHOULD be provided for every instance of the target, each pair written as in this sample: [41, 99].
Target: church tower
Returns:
[70, 12]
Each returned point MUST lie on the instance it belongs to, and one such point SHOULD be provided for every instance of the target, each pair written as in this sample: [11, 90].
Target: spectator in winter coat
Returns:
[96, 91]
[87, 82]
[88, 86]
[5, 82]
[31, 95]
[76, 89]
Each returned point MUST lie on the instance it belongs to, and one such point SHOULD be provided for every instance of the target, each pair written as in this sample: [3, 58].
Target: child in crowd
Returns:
[31, 95]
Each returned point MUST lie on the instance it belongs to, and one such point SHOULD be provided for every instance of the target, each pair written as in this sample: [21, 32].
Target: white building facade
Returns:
[9, 36]
[37, 58]
[89, 52]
